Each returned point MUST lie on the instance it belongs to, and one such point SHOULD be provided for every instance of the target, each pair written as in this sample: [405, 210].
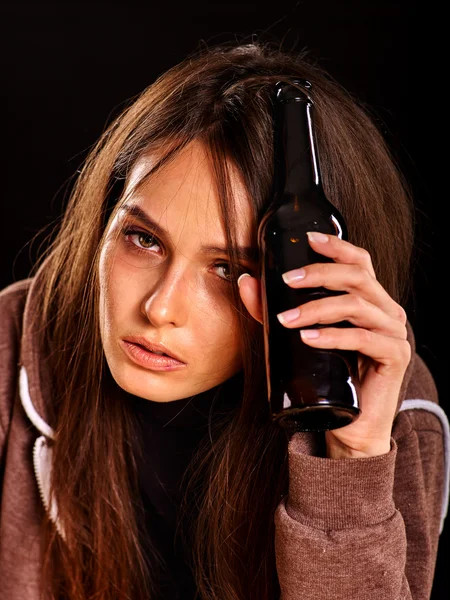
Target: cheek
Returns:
[219, 339]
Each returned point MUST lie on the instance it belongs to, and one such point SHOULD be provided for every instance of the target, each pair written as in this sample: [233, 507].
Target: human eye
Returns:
[226, 265]
[130, 232]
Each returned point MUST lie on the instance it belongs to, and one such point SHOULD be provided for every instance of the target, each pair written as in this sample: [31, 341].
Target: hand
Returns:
[379, 337]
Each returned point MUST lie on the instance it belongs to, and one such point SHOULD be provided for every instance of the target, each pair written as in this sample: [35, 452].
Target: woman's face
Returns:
[166, 287]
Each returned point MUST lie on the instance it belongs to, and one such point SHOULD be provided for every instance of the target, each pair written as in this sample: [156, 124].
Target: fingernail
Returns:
[288, 315]
[309, 334]
[241, 277]
[295, 275]
[316, 236]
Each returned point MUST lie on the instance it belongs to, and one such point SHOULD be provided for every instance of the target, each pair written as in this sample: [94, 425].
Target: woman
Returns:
[124, 481]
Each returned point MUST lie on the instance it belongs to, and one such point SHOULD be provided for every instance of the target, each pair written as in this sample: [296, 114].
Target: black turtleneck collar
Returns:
[192, 412]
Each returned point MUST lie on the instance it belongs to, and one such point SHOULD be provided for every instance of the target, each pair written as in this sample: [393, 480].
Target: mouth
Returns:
[148, 359]
[155, 348]
[152, 351]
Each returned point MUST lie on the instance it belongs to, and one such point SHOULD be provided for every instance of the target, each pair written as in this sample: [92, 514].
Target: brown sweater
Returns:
[351, 529]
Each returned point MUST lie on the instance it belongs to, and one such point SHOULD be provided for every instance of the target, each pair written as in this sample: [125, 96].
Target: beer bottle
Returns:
[309, 389]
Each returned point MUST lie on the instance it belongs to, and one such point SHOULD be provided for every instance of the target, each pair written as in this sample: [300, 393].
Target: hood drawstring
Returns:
[42, 452]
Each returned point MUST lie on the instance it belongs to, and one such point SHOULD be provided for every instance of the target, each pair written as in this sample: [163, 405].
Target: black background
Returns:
[68, 68]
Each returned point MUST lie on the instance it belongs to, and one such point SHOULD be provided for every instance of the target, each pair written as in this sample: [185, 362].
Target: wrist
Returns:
[341, 451]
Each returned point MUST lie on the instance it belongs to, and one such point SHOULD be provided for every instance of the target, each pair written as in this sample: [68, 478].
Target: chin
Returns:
[137, 383]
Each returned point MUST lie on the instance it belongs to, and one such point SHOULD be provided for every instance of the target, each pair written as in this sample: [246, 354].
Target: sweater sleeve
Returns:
[363, 528]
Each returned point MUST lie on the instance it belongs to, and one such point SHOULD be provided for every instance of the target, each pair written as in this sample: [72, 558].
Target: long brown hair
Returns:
[222, 97]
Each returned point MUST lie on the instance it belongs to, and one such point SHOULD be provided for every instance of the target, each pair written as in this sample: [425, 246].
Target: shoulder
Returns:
[12, 303]
[422, 433]
[419, 409]
[15, 289]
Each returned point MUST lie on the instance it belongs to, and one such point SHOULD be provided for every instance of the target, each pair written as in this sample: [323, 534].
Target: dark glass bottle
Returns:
[309, 389]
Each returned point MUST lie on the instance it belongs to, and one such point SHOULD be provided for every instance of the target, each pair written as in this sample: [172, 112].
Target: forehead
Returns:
[185, 189]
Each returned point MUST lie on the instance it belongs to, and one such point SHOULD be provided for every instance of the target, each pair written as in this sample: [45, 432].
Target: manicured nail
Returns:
[241, 277]
[288, 315]
[316, 236]
[309, 334]
[295, 275]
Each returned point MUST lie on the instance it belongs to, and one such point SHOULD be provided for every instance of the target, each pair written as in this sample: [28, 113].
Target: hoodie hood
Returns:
[34, 378]
[35, 395]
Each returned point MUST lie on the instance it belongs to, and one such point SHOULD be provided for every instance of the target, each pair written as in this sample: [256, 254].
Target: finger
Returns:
[353, 279]
[340, 250]
[391, 353]
[347, 307]
[250, 292]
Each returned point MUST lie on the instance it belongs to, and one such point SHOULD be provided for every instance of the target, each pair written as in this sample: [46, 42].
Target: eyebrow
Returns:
[247, 253]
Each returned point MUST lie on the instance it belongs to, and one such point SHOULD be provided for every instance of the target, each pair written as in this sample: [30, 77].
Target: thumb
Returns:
[250, 291]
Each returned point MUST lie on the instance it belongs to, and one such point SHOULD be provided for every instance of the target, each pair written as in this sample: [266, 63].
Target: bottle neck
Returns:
[296, 161]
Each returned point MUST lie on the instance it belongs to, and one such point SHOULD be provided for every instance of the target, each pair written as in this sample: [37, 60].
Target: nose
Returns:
[166, 301]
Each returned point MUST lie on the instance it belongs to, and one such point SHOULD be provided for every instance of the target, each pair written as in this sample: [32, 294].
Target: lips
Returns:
[154, 362]
[152, 347]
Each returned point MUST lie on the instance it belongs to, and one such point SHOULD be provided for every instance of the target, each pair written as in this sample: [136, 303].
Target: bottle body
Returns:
[309, 389]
